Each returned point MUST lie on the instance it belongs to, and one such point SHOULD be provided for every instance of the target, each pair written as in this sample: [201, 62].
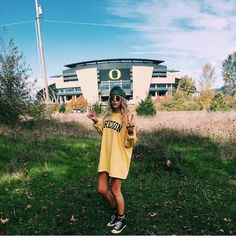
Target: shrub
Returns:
[36, 110]
[53, 107]
[62, 108]
[218, 103]
[205, 98]
[230, 101]
[146, 107]
[191, 105]
[179, 96]
[179, 103]
[97, 106]
[167, 105]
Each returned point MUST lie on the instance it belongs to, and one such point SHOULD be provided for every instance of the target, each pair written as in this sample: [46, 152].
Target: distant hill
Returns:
[220, 90]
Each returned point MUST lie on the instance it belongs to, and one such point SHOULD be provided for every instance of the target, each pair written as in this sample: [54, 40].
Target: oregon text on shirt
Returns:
[112, 125]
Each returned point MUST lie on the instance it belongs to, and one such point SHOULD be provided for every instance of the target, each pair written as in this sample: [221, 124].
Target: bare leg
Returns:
[103, 181]
[117, 194]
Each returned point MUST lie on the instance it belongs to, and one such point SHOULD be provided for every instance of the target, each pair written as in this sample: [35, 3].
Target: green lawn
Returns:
[49, 177]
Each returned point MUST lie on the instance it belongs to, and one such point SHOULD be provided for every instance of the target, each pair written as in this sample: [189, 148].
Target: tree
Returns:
[79, 104]
[208, 77]
[229, 73]
[187, 86]
[15, 87]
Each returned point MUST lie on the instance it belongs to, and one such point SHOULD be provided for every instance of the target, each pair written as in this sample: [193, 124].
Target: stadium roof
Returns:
[117, 60]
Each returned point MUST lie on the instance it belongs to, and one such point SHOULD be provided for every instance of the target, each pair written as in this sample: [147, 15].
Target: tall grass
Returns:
[204, 124]
[49, 177]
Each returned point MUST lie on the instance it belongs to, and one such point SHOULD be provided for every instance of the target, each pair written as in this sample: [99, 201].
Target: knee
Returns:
[115, 191]
[102, 190]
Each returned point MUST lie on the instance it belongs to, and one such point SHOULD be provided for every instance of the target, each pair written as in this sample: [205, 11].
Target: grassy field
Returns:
[49, 175]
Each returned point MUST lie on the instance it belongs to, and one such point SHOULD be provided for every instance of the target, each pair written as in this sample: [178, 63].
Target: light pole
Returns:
[41, 51]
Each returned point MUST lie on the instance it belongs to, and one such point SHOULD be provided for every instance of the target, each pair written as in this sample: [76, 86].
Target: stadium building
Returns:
[94, 79]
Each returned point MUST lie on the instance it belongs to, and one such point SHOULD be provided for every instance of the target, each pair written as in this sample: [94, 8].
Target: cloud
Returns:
[188, 33]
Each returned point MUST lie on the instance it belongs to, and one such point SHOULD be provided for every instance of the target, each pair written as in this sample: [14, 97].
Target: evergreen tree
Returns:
[218, 103]
[146, 107]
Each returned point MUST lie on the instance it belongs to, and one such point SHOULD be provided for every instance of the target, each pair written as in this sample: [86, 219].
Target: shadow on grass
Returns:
[196, 153]
[49, 178]
[48, 186]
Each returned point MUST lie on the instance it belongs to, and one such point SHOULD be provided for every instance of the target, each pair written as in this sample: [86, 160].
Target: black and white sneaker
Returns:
[119, 226]
[112, 221]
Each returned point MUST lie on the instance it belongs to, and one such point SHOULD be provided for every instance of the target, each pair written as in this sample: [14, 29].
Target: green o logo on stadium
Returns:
[114, 74]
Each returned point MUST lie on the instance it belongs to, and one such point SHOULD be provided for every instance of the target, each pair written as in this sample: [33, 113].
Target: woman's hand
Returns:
[130, 124]
[92, 115]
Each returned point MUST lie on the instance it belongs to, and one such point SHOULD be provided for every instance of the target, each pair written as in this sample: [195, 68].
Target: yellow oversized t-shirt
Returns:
[116, 147]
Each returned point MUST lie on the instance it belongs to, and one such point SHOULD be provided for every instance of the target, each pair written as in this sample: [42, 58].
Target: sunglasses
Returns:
[115, 98]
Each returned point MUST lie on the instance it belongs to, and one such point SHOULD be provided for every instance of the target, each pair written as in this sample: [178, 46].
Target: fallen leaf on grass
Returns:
[14, 211]
[152, 214]
[30, 196]
[4, 220]
[44, 208]
[73, 219]
[28, 207]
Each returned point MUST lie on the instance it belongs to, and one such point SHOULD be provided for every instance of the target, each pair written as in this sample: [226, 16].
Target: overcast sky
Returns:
[186, 34]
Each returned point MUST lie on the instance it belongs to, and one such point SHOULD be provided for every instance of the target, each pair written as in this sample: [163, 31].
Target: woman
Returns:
[118, 138]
